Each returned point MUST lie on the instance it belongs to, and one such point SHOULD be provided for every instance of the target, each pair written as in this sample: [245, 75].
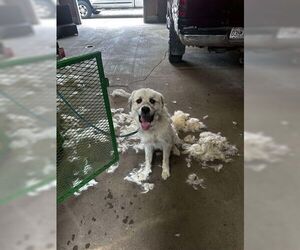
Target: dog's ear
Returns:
[130, 99]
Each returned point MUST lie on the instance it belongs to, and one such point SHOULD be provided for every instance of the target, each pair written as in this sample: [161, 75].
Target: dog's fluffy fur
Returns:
[156, 130]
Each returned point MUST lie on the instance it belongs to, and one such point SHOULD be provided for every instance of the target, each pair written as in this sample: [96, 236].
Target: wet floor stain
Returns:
[131, 203]
[87, 245]
[89, 232]
[93, 219]
[109, 195]
[110, 205]
[75, 247]
[122, 207]
[130, 222]
[73, 237]
[125, 220]
[68, 243]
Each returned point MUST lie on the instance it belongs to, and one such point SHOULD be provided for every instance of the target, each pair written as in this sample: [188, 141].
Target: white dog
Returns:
[156, 129]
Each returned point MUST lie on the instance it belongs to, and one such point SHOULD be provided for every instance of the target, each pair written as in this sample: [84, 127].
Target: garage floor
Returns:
[114, 214]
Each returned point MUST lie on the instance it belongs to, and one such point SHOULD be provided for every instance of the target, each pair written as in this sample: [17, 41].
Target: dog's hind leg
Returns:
[166, 165]
[175, 150]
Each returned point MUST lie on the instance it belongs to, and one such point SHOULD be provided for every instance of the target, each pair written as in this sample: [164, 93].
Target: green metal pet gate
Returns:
[86, 142]
[27, 126]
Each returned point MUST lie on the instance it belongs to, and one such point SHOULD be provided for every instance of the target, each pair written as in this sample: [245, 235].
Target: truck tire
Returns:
[85, 9]
[176, 48]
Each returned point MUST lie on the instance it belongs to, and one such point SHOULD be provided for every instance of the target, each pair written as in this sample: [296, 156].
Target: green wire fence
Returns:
[27, 126]
[86, 141]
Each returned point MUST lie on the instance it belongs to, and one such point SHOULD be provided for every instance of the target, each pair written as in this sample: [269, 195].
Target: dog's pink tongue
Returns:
[145, 125]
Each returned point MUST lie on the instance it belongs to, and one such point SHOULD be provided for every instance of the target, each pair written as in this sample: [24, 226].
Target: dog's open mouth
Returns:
[145, 121]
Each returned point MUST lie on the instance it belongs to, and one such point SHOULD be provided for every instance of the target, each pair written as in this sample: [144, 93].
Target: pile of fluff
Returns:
[210, 147]
[183, 122]
[125, 124]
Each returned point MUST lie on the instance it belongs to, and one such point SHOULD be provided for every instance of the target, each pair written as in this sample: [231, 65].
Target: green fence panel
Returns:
[27, 126]
[86, 142]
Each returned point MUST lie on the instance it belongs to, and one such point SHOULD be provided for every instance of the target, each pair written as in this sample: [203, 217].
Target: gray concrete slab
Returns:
[205, 84]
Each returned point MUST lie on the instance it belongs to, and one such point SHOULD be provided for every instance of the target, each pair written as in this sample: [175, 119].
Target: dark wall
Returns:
[155, 11]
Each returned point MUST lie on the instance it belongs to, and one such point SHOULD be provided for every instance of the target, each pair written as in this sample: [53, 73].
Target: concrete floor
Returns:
[272, 196]
[134, 56]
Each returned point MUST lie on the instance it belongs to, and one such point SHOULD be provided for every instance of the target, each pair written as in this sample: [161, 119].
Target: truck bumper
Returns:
[210, 41]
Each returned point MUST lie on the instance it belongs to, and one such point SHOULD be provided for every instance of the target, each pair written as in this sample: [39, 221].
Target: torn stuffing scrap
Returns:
[112, 168]
[183, 122]
[210, 147]
[120, 93]
[139, 176]
[195, 182]
[261, 150]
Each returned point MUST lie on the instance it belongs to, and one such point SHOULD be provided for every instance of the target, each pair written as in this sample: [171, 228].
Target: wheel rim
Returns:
[83, 10]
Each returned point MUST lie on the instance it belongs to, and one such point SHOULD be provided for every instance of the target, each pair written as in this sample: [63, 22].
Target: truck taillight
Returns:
[182, 8]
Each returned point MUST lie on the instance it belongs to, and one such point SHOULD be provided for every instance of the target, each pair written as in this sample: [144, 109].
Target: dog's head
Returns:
[146, 107]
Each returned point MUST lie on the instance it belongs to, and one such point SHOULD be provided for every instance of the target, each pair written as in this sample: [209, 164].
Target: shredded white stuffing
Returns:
[112, 168]
[234, 123]
[183, 122]
[188, 162]
[139, 176]
[195, 182]
[126, 124]
[261, 150]
[85, 187]
[205, 117]
[174, 102]
[216, 167]
[24, 137]
[179, 119]
[147, 187]
[189, 139]
[193, 125]
[120, 93]
[43, 188]
[119, 110]
[210, 147]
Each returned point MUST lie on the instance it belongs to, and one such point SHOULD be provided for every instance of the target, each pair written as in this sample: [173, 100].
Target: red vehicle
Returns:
[215, 24]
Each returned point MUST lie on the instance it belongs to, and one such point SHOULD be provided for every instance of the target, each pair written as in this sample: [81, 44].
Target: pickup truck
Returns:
[214, 24]
[89, 7]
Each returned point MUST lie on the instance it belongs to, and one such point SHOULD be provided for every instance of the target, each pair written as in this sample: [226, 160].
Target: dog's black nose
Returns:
[145, 110]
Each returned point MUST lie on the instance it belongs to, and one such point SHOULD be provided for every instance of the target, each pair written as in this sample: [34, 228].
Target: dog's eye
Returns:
[138, 101]
[152, 101]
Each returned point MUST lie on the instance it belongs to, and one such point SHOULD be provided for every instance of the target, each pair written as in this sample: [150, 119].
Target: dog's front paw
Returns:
[165, 174]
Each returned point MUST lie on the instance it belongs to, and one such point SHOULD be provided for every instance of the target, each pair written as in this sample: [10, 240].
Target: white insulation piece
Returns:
[210, 147]
[139, 176]
[120, 93]
[183, 122]
[195, 181]
[261, 150]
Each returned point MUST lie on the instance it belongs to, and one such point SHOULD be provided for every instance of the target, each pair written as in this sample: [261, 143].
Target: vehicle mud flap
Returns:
[176, 47]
